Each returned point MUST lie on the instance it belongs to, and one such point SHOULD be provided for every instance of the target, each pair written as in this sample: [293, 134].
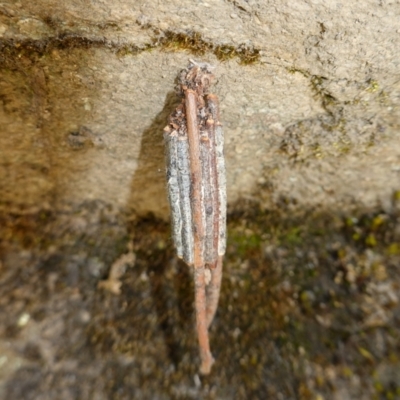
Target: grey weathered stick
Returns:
[213, 107]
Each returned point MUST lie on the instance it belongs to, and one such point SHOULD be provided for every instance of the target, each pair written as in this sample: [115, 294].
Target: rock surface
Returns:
[309, 94]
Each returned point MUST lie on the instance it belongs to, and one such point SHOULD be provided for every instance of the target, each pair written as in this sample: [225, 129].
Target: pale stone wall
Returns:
[311, 114]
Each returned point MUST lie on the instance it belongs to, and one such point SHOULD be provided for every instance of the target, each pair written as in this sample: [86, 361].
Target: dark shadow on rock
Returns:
[183, 282]
[148, 184]
[171, 309]
[170, 285]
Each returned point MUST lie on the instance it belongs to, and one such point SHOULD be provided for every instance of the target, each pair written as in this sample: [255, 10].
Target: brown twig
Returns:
[201, 321]
[199, 278]
[213, 290]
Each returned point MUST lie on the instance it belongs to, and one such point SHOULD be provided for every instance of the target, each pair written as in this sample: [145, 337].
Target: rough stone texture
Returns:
[310, 98]
[86, 89]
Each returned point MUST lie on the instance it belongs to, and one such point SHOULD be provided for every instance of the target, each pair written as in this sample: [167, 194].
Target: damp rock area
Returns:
[309, 307]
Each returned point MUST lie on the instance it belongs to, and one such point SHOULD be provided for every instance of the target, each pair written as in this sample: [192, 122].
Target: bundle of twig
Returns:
[197, 192]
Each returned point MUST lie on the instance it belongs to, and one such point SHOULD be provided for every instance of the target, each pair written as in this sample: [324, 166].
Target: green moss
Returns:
[244, 242]
[373, 86]
[132, 50]
[393, 249]
[317, 86]
[177, 41]
[378, 221]
[378, 387]
[197, 45]
[12, 51]
[225, 52]
[292, 236]
[167, 40]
